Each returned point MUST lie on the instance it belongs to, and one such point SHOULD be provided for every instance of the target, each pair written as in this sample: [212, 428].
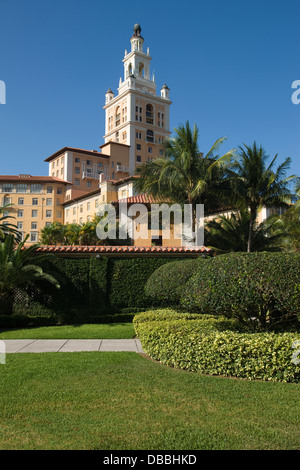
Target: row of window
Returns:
[24, 188]
[34, 213]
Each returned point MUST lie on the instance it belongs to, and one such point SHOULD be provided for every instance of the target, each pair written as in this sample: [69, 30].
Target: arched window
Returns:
[150, 136]
[118, 116]
[130, 69]
[141, 69]
[149, 114]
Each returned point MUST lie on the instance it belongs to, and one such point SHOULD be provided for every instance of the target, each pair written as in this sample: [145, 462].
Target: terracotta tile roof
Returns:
[95, 153]
[33, 179]
[64, 249]
[139, 199]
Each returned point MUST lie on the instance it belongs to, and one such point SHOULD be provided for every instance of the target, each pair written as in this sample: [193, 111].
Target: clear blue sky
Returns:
[229, 64]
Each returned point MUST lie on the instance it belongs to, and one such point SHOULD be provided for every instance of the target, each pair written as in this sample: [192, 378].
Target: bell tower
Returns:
[137, 116]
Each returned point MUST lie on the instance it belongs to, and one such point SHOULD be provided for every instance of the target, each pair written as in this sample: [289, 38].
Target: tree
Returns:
[7, 228]
[256, 184]
[18, 267]
[185, 176]
[230, 234]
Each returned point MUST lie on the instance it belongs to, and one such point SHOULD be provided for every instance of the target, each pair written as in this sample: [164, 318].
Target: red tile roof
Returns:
[33, 179]
[139, 199]
[95, 153]
[64, 249]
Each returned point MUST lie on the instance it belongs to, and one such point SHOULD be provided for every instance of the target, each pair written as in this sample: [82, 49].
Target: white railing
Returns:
[122, 168]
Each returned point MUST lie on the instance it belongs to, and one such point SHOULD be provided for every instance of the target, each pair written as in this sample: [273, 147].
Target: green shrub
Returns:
[214, 346]
[264, 287]
[127, 278]
[165, 286]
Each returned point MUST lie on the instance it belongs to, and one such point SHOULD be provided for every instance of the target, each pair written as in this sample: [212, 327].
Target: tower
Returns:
[136, 115]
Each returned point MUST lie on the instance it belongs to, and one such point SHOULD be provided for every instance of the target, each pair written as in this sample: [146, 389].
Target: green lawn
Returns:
[123, 401]
[93, 331]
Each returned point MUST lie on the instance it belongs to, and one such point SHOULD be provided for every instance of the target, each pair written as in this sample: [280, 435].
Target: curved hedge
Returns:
[246, 285]
[164, 287]
[214, 346]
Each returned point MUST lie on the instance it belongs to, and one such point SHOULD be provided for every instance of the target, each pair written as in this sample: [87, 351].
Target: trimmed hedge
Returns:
[215, 346]
[90, 287]
[165, 286]
[246, 285]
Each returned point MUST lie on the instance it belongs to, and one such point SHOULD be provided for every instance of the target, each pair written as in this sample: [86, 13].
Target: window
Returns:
[138, 135]
[57, 174]
[21, 188]
[88, 206]
[53, 164]
[138, 158]
[161, 152]
[33, 225]
[149, 114]
[35, 201]
[77, 160]
[20, 201]
[20, 213]
[34, 213]
[19, 225]
[33, 236]
[149, 149]
[59, 190]
[48, 214]
[62, 171]
[6, 200]
[118, 116]
[48, 201]
[67, 213]
[138, 147]
[150, 136]
[7, 188]
[36, 188]
[77, 170]
[88, 162]
[58, 214]
[88, 184]
[77, 182]
[57, 201]
[47, 224]
[74, 210]
[49, 189]
[81, 208]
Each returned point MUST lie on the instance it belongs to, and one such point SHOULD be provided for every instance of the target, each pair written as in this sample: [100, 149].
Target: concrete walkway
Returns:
[71, 345]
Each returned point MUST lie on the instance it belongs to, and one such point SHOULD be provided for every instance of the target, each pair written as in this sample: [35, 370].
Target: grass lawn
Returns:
[124, 401]
[92, 331]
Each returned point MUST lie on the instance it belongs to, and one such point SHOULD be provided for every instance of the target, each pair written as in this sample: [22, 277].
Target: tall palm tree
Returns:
[18, 267]
[185, 176]
[256, 183]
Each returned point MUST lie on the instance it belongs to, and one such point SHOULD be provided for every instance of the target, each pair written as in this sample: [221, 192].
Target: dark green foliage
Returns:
[90, 288]
[165, 286]
[216, 346]
[263, 288]
[127, 279]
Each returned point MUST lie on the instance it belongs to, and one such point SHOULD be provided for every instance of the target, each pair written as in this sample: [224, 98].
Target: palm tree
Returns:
[18, 267]
[7, 228]
[185, 176]
[230, 234]
[53, 234]
[256, 184]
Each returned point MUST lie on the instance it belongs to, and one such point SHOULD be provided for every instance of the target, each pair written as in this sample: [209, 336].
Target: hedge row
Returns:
[258, 288]
[214, 346]
[89, 287]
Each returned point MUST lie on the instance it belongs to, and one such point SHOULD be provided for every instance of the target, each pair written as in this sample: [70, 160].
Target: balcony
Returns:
[123, 169]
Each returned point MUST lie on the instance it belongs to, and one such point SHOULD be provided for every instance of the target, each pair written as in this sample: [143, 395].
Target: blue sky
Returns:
[229, 64]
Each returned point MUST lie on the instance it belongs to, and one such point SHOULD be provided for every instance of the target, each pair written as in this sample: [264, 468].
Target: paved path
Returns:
[71, 345]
